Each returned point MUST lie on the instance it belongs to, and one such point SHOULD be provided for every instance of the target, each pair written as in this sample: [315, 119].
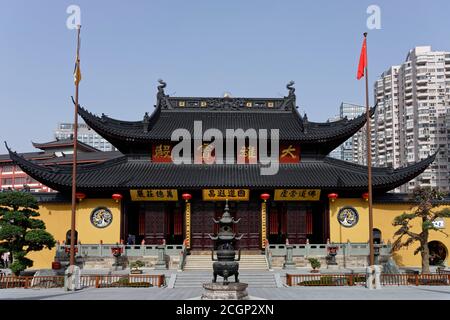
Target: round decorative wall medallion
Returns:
[101, 217]
[348, 217]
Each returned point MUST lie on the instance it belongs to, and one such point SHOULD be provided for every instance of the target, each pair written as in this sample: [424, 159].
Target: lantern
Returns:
[80, 196]
[186, 196]
[365, 196]
[265, 196]
[117, 197]
[332, 196]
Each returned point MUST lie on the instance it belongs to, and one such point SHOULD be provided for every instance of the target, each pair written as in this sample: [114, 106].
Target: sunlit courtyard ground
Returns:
[297, 293]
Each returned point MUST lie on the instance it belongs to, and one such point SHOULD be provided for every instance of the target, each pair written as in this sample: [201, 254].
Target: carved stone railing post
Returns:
[161, 262]
[289, 262]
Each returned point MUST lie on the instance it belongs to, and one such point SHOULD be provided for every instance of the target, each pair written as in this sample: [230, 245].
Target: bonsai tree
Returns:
[20, 231]
[137, 264]
[427, 199]
[315, 263]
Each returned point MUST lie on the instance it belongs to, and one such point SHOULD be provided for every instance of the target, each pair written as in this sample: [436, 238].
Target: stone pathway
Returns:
[297, 293]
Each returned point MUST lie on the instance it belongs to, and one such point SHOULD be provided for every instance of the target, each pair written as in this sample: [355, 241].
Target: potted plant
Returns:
[315, 264]
[135, 267]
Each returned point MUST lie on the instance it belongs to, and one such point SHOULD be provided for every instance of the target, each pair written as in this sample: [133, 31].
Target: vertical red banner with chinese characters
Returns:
[289, 153]
[161, 152]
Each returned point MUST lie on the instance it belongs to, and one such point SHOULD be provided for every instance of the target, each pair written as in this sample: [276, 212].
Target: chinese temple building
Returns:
[145, 194]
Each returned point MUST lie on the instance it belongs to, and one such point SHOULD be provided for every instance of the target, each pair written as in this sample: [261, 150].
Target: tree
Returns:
[20, 231]
[426, 200]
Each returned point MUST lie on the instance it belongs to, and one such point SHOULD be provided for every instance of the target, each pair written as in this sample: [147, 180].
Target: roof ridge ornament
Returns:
[290, 87]
[289, 101]
[161, 86]
[146, 122]
[305, 123]
[161, 96]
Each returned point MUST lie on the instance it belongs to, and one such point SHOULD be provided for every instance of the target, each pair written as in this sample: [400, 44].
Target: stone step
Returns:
[209, 259]
[196, 279]
[247, 262]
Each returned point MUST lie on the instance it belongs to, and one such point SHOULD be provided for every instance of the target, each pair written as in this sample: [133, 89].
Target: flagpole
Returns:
[74, 163]
[369, 161]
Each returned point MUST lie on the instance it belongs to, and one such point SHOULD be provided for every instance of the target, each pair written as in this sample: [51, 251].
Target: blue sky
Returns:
[200, 48]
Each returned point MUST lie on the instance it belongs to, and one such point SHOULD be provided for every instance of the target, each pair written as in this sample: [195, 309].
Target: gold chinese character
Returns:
[162, 151]
[288, 152]
[251, 152]
[231, 193]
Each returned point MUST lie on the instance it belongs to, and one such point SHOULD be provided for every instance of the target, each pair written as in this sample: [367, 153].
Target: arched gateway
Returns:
[152, 183]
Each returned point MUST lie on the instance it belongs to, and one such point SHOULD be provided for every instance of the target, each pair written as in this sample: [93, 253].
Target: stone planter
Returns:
[314, 271]
[135, 271]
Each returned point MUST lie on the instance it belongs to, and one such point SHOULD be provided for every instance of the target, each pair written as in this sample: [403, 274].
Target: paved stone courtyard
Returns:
[297, 293]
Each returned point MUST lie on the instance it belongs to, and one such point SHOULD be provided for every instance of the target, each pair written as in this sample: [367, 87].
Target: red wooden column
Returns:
[264, 197]
[187, 219]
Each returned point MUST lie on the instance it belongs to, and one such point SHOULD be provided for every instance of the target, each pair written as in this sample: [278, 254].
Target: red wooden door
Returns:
[249, 225]
[202, 225]
[153, 216]
[296, 223]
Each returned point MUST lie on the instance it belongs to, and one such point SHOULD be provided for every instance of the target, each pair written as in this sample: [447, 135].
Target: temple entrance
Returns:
[202, 224]
[249, 225]
[154, 222]
[297, 222]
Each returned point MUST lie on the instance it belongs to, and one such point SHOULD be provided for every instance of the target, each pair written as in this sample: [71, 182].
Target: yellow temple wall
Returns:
[57, 220]
[383, 216]
[57, 217]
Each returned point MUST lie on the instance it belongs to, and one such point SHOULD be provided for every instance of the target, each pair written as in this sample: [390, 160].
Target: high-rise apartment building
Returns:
[351, 150]
[85, 135]
[411, 119]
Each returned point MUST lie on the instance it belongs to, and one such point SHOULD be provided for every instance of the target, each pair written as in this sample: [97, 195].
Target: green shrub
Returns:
[315, 263]
[125, 282]
[137, 264]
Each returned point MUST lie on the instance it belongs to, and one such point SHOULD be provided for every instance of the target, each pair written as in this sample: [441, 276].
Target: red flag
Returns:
[362, 61]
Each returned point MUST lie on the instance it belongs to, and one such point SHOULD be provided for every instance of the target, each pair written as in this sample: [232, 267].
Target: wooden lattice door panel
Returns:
[202, 225]
[249, 225]
[177, 222]
[155, 223]
[296, 223]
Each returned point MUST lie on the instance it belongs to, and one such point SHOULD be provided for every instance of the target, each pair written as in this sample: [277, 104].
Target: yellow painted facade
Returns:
[383, 215]
[57, 221]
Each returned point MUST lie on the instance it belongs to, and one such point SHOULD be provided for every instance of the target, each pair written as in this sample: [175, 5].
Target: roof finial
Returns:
[161, 86]
[305, 123]
[146, 121]
[290, 87]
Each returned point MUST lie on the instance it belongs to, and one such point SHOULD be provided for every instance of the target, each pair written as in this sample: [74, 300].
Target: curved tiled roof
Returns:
[161, 124]
[63, 143]
[124, 173]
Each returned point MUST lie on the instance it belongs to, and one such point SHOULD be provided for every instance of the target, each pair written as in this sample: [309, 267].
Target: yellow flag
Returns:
[77, 72]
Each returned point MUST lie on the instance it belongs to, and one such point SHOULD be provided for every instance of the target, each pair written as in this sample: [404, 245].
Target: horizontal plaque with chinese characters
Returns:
[226, 194]
[297, 194]
[154, 195]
